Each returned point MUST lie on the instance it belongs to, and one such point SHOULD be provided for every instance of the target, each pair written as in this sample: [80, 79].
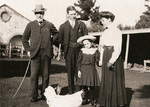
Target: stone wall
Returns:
[11, 23]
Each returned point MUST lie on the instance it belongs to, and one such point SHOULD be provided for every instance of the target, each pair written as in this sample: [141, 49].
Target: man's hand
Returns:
[100, 63]
[28, 53]
[79, 74]
[109, 64]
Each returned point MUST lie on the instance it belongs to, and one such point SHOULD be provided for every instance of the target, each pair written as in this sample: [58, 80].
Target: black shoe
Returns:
[34, 99]
[43, 98]
[94, 103]
[84, 102]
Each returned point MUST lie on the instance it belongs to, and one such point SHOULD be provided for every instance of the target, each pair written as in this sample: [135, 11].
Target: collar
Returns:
[40, 21]
[89, 51]
[70, 21]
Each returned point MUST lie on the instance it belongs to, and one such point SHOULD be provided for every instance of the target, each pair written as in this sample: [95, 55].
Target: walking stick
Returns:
[22, 79]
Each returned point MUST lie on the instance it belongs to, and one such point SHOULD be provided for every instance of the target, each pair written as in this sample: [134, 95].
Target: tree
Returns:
[89, 13]
[144, 21]
[86, 6]
[121, 27]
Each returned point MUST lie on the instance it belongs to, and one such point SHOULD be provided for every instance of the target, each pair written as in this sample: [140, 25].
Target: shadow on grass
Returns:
[13, 68]
[145, 91]
[129, 93]
[65, 91]
[18, 68]
[55, 68]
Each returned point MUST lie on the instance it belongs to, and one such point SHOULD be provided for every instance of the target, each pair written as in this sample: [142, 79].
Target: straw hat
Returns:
[39, 8]
[89, 37]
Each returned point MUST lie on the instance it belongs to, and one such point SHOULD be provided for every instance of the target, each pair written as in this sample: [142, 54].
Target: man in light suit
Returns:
[69, 32]
[40, 33]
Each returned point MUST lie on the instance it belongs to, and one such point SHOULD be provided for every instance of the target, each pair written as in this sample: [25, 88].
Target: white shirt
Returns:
[72, 23]
[39, 21]
[112, 37]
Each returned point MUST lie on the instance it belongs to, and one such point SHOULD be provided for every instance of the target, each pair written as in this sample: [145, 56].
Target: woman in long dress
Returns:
[112, 88]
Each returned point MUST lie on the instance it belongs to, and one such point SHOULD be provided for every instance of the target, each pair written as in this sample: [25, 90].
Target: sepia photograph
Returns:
[74, 53]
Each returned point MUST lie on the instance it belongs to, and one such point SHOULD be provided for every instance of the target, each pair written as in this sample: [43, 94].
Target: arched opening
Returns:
[16, 40]
[15, 47]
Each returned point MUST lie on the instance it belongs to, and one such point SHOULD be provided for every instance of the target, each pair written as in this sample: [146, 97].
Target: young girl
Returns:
[87, 75]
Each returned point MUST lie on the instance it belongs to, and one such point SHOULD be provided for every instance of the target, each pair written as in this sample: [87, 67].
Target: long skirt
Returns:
[112, 88]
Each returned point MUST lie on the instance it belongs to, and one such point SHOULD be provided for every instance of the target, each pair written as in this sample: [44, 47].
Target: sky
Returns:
[127, 12]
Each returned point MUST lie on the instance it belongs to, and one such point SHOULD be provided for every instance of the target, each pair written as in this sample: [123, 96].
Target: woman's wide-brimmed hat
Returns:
[39, 8]
[86, 37]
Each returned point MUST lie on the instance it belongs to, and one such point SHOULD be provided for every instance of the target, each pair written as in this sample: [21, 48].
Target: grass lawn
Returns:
[137, 86]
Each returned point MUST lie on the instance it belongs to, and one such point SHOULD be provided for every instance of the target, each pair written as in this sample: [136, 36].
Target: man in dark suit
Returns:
[40, 33]
[69, 32]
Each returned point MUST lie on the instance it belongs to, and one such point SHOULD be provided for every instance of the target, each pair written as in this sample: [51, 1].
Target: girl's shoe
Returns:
[84, 102]
[94, 103]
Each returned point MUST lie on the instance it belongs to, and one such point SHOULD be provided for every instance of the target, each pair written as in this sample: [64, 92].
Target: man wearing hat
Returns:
[69, 32]
[41, 35]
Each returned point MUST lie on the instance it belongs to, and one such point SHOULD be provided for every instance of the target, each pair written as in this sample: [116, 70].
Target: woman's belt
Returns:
[108, 47]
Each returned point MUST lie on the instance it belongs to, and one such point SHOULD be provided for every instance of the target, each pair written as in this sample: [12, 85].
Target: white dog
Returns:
[54, 100]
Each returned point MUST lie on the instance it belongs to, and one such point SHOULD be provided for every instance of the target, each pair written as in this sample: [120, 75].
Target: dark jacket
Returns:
[64, 35]
[34, 32]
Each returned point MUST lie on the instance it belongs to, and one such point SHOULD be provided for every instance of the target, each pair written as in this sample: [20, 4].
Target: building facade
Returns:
[12, 25]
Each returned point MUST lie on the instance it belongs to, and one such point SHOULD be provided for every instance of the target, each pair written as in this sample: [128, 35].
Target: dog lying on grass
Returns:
[54, 100]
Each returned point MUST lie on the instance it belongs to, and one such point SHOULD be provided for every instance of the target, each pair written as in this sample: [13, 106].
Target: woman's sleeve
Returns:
[117, 47]
[97, 56]
[79, 60]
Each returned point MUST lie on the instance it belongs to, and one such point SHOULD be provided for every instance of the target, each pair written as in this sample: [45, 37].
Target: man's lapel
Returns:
[77, 25]
[67, 27]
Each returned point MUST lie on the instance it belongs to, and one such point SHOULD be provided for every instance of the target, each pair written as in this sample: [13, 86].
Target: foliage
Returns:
[95, 27]
[86, 6]
[89, 13]
[121, 27]
[144, 21]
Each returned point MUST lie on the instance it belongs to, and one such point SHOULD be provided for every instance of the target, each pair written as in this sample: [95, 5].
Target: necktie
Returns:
[41, 23]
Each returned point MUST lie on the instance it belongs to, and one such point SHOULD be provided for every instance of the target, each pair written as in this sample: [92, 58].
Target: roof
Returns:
[135, 31]
[15, 11]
